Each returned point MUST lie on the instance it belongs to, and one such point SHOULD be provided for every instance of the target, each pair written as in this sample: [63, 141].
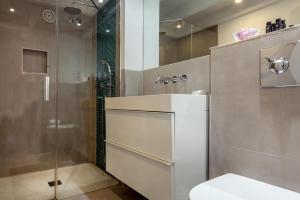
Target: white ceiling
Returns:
[86, 10]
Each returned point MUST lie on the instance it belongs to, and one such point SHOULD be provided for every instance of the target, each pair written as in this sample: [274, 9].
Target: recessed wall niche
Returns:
[34, 61]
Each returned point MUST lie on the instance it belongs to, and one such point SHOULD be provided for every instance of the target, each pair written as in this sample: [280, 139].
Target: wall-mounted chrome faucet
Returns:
[278, 65]
[162, 80]
[173, 79]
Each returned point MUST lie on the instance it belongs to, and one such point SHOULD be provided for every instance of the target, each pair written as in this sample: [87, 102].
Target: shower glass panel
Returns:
[28, 68]
[57, 64]
[79, 82]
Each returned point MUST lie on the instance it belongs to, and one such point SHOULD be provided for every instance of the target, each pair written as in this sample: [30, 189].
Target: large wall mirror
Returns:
[189, 28]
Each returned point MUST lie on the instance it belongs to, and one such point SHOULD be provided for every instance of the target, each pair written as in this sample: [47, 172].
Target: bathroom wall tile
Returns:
[290, 36]
[290, 136]
[217, 141]
[291, 97]
[264, 100]
[87, 102]
[256, 165]
[273, 39]
[196, 69]
[250, 121]
[133, 82]
[149, 78]
[75, 107]
[253, 164]
[253, 130]
[235, 71]
[217, 158]
[290, 178]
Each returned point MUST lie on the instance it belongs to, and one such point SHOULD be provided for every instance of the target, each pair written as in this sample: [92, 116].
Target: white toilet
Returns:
[234, 187]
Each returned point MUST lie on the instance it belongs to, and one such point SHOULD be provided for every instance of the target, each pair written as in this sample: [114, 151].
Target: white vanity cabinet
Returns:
[157, 144]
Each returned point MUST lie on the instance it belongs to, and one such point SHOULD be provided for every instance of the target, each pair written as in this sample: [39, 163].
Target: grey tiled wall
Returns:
[253, 132]
[132, 84]
[196, 69]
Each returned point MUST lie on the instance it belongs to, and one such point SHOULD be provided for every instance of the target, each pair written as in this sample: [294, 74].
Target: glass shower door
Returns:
[78, 87]
[28, 68]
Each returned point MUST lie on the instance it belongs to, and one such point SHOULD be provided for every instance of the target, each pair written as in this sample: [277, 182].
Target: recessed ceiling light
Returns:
[78, 23]
[179, 26]
[12, 10]
[100, 1]
[238, 1]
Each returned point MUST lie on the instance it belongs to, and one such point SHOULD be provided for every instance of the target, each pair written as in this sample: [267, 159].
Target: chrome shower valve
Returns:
[278, 65]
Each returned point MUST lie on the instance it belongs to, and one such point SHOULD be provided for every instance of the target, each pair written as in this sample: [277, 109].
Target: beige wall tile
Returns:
[253, 130]
[150, 76]
[290, 174]
[133, 85]
[289, 127]
[260, 166]
[196, 69]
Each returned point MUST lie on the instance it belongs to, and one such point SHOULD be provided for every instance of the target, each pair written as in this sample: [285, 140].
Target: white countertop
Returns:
[234, 187]
[160, 103]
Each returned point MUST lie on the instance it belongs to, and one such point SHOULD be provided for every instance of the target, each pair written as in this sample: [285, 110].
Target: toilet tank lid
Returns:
[235, 187]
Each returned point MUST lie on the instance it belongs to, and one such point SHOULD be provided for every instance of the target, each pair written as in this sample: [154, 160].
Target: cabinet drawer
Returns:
[150, 178]
[151, 133]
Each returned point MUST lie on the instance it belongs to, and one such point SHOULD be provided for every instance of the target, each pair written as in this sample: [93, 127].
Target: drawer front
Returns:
[151, 133]
[150, 178]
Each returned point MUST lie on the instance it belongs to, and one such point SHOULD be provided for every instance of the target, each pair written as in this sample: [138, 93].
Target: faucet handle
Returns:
[175, 79]
[184, 77]
[158, 79]
[166, 81]
[278, 65]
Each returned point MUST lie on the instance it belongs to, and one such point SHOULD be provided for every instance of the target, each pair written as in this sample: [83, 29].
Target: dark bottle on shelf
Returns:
[278, 24]
[269, 27]
[283, 24]
[273, 28]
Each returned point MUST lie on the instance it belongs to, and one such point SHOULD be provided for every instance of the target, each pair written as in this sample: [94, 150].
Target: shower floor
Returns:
[76, 180]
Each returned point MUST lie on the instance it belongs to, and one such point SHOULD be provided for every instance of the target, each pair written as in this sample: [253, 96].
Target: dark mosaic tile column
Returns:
[106, 83]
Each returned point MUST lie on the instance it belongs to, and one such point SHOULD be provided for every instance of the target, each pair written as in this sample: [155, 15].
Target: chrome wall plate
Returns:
[280, 66]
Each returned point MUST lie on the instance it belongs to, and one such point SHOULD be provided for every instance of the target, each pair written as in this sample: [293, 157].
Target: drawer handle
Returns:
[139, 153]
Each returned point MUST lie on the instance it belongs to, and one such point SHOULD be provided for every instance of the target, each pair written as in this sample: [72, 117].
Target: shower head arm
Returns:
[94, 4]
[86, 4]
[82, 3]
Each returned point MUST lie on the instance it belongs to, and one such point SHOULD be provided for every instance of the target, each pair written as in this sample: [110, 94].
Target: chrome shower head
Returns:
[72, 10]
[74, 15]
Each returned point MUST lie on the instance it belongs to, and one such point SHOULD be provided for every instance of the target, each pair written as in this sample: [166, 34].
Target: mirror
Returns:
[189, 28]
[180, 40]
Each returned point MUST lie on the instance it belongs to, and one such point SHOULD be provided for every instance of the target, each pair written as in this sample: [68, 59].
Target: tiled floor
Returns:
[77, 179]
[119, 192]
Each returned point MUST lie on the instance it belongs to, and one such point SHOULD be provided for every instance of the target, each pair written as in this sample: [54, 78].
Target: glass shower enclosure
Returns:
[53, 71]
